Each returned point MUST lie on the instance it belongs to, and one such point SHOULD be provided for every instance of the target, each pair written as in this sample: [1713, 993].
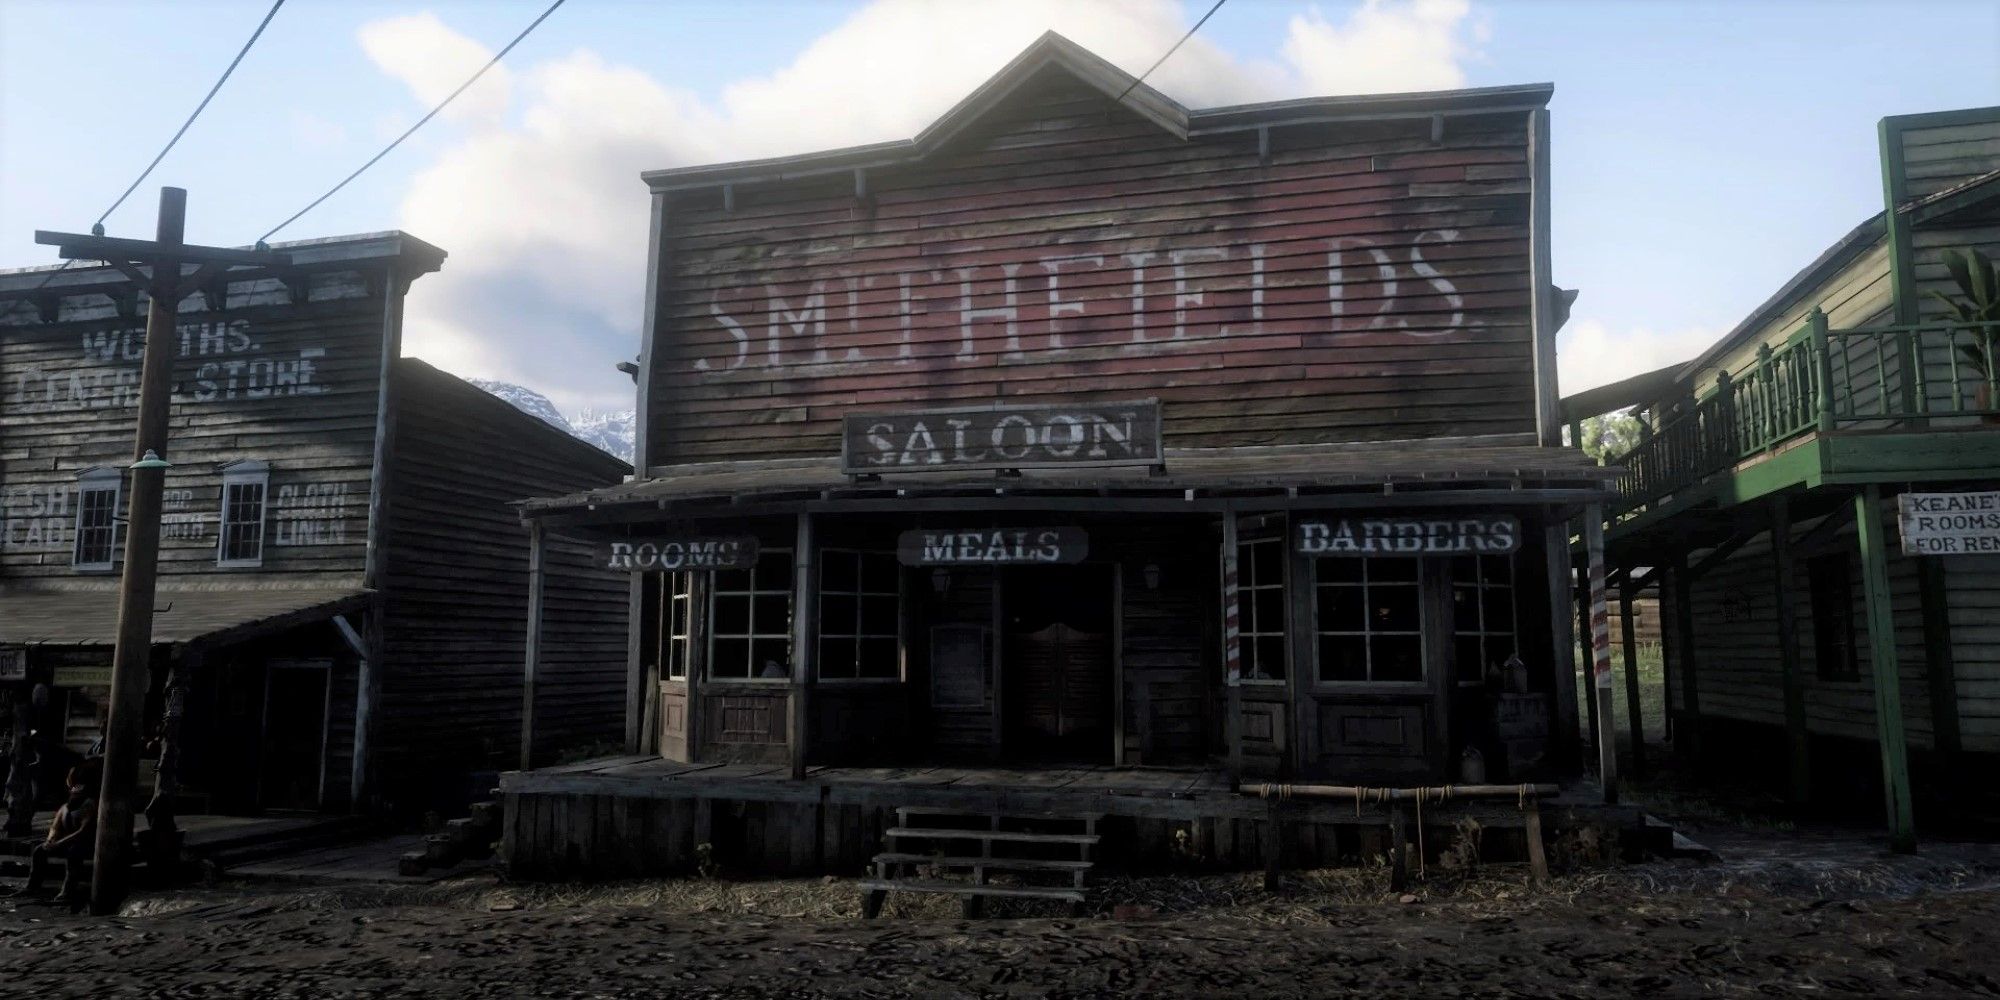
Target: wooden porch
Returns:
[630, 816]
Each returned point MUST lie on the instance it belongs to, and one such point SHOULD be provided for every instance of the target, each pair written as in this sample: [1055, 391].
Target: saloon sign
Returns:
[1482, 534]
[991, 546]
[1949, 524]
[640, 555]
[1001, 437]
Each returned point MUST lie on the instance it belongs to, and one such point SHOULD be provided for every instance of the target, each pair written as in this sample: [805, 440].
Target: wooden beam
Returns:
[1790, 662]
[635, 670]
[1562, 642]
[1600, 652]
[1579, 600]
[805, 630]
[1541, 282]
[1637, 720]
[531, 664]
[1824, 533]
[1940, 670]
[1883, 669]
[1719, 554]
[1688, 731]
[375, 555]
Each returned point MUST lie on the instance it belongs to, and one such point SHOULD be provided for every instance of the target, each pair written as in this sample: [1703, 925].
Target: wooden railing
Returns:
[1820, 381]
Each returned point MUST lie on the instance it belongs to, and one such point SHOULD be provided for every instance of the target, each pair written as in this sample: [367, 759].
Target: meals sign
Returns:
[1949, 524]
[1001, 437]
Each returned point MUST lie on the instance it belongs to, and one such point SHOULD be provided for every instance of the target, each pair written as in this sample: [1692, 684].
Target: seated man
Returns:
[71, 837]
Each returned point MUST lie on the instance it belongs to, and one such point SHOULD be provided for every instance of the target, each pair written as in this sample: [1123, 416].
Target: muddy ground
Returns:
[1783, 916]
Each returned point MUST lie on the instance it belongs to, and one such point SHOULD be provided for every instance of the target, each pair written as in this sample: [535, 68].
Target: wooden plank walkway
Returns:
[372, 860]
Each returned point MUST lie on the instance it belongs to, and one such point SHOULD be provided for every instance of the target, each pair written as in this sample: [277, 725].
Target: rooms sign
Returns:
[665, 554]
[1949, 524]
[1001, 437]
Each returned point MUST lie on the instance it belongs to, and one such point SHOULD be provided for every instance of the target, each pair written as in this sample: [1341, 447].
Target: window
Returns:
[96, 519]
[860, 609]
[1260, 604]
[1368, 620]
[1482, 599]
[240, 540]
[1833, 618]
[680, 598]
[750, 620]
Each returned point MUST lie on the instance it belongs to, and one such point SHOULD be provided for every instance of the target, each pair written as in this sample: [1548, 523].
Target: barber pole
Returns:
[1600, 651]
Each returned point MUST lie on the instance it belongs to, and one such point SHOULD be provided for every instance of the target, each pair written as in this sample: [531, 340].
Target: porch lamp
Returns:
[152, 460]
[941, 580]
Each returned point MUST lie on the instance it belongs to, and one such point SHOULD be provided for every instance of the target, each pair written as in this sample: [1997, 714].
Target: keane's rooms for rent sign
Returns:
[1949, 524]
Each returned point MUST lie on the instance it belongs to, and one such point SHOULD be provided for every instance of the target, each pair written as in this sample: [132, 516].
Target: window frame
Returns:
[103, 479]
[1478, 585]
[824, 557]
[678, 587]
[750, 635]
[236, 475]
[1820, 579]
[1417, 585]
[1248, 628]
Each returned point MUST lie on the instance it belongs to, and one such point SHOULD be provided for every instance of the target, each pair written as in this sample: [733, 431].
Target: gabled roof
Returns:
[1633, 391]
[1054, 52]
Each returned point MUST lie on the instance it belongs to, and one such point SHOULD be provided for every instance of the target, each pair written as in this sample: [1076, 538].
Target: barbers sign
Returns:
[1001, 437]
[1476, 534]
[1949, 524]
[658, 554]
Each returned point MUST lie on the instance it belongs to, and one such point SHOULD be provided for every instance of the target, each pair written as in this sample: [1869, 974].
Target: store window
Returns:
[680, 617]
[750, 620]
[1260, 616]
[1482, 599]
[240, 540]
[1368, 620]
[96, 520]
[860, 611]
[1833, 618]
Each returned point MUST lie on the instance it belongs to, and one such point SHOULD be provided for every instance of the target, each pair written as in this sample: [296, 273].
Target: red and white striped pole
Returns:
[1232, 648]
[1600, 651]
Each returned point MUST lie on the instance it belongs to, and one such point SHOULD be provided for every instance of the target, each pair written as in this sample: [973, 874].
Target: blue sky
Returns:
[1703, 151]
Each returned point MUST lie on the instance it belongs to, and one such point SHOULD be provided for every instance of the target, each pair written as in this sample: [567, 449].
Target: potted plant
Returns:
[1978, 282]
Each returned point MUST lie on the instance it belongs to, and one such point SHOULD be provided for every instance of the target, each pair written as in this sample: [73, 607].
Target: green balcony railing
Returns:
[1821, 381]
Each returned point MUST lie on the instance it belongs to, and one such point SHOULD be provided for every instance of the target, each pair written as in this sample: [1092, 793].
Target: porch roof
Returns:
[73, 617]
[1511, 462]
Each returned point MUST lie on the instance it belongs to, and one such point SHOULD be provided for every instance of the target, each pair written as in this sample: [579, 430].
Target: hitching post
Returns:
[1600, 652]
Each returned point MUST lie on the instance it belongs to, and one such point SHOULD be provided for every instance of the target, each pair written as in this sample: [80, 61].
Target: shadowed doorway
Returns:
[1057, 664]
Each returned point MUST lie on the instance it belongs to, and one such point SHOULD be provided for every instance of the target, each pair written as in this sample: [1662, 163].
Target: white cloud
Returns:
[1383, 47]
[1590, 353]
[539, 201]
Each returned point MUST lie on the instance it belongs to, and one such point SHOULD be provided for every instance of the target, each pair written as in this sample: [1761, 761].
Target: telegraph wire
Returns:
[1170, 52]
[245, 50]
[420, 122]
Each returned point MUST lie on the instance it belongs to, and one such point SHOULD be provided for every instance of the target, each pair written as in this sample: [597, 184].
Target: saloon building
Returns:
[342, 580]
[1085, 446]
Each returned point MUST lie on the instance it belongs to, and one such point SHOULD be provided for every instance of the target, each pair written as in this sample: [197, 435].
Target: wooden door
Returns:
[679, 633]
[1373, 678]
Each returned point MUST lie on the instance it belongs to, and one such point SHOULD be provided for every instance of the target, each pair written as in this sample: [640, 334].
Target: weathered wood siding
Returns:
[1169, 649]
[262, 378]
[1366, 283]
[1937, 157]
[1973, 586]
[457, 580]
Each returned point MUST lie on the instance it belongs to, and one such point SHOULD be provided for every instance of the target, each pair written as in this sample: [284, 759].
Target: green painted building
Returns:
[1806, 644]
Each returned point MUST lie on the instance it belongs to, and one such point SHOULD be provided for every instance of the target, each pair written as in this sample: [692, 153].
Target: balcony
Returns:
[1872, 403]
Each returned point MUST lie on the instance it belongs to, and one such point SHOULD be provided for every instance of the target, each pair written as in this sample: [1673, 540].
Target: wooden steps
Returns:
[1021, 847]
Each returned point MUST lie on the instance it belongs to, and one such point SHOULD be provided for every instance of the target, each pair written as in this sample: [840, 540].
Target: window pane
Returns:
[1340, 609]
[837, 571]
[836, 657]
[878, 658]
[1499, 603]
[1499, 648]
[1385, 570]
[1468, 658]
[1464, 569]
[837, 615]
[1270, 657]
[732, 579]
[677, 659]
[1397, 658]
[1269, 610]
[1465, 609]
[1338, 570]
[677, 617]
[772, 615]
[732, 614]
[1392, 608]
[878, 616]
[774, 571]
[772, 658]
[1343, 658]
[730, 658]
[879, 573]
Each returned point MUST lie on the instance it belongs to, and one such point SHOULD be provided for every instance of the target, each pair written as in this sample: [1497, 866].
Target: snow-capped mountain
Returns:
[609, 430]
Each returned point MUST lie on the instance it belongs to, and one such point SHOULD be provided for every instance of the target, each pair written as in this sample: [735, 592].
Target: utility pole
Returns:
[131, 663]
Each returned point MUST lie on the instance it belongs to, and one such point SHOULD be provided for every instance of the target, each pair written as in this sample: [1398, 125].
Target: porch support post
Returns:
[1687, 733]
[1631, 643]
[1232, 648]
[1579, 599]
[1799, 783]
[1555, 561]
[531, 665]
[1882, 662]
[804, 630]
[1600, 651]
[1939, 668]
[635, 665]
